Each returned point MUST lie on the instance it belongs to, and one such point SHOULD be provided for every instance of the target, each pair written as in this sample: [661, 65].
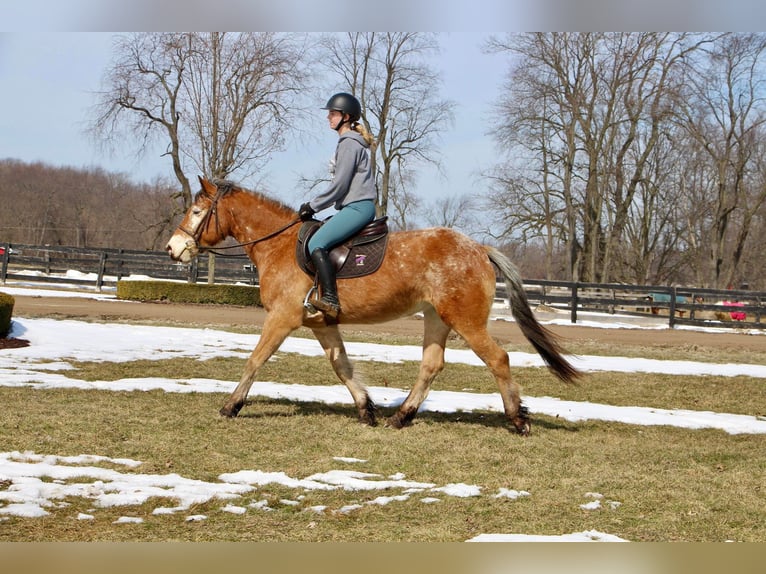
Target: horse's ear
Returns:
[207, 186]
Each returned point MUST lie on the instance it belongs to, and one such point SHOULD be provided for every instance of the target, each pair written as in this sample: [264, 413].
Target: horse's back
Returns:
[438, 266]
[438, 248]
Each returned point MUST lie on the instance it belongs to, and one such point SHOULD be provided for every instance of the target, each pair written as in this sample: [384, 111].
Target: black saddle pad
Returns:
[359, 256]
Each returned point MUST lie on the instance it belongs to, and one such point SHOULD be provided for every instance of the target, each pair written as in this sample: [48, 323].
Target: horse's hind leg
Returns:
[332, 343]
[496, 358]
[435, 338]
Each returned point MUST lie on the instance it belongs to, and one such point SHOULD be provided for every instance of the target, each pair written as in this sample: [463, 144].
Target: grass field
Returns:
[653, 483]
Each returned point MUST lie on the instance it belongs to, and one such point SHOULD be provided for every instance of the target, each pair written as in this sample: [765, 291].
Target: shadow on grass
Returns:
[481, 418]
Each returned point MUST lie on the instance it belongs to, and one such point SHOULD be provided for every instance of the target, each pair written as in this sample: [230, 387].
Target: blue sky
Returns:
[49, 70]
[52, 77]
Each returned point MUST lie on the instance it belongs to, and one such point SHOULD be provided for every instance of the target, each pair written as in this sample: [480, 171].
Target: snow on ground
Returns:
[62, 290]
[55, 342]
[585, 536]
[37, 483]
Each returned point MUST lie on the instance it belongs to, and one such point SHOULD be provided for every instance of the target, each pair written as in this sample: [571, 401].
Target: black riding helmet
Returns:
[346, 104]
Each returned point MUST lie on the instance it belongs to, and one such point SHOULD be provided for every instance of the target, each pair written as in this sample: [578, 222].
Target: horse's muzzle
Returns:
[181, 249]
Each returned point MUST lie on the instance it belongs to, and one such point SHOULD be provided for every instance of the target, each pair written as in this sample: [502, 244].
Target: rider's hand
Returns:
[305, 212]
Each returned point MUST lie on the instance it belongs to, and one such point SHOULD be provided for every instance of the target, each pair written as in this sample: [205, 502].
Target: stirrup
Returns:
[313, 304]
[331, 310]
[307, 304]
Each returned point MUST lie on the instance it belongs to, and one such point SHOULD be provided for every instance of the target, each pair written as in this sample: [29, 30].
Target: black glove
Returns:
[305, 212]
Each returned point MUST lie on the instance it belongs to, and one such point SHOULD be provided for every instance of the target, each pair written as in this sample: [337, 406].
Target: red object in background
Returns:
[736, 315]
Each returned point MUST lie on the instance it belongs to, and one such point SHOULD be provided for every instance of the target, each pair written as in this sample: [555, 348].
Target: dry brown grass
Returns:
[672, 484]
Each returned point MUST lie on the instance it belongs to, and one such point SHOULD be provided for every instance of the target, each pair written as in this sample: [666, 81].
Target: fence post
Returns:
[101, 268]
[694, 304]
[120, 263]
[211, 268]
[574, 303]
[672, 310]
[6, 257]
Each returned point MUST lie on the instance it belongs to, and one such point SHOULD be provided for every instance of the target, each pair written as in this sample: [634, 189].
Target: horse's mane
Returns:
[225, 187]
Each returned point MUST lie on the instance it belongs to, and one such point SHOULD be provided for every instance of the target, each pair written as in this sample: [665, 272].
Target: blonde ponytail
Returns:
[361, 130]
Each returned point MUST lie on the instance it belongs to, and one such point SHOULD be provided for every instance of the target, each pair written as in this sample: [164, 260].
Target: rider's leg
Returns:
[325, 269]
[334, 231]
[343, 225]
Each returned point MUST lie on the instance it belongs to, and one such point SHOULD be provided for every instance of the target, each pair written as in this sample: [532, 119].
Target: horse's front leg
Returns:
[276, 328]
[332, 343]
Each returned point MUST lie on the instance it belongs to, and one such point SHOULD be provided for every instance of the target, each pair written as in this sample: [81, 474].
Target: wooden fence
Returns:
[100, 268]
[676, 305]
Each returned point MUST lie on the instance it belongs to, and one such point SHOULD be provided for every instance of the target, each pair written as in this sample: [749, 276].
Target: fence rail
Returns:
[100, 268]
[678, 305]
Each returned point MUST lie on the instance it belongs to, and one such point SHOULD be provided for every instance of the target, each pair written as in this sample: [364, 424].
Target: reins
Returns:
[245, 244]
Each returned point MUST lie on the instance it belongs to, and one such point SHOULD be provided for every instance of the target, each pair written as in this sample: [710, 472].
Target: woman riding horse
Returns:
[351, 191]
[447, 277]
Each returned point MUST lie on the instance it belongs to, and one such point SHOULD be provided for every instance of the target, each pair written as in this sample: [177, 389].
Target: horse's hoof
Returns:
[368, 421]
[230, 412]
[395, 422]
[521, 421]
[401, 419]
[368, 414]
[523, 428]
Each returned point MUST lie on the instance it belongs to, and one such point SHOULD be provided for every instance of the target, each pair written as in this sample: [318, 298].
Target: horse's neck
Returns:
[254, 218]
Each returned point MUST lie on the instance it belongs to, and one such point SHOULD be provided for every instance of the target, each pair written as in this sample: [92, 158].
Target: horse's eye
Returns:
[196, 211]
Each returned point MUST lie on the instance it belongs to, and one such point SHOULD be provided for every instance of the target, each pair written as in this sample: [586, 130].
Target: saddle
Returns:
[360, 255]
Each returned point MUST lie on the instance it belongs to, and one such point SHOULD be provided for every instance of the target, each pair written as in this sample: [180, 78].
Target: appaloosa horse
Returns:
[439, 272]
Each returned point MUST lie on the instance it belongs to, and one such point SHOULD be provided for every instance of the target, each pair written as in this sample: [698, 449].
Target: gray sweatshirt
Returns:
[351, 174]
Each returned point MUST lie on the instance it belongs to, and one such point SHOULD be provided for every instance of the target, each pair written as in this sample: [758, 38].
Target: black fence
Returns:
[100, 268]
[676, 305]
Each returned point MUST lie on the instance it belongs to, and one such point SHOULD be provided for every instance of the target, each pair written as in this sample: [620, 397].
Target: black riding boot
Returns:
[325, 269]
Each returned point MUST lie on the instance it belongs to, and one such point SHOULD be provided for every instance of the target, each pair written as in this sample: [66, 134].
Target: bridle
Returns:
[197, 233]
[213, 210]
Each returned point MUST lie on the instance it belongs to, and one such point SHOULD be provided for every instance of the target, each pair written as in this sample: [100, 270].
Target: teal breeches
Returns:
[343, 225]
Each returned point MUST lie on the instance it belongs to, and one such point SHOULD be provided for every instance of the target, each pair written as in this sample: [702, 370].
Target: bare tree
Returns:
[219, 101]
[243, 92]
[590, 113]
[85, 208]
[398, 91]
[539, 132]
[726, 119]
[142, 96]
[456, 211]
[404, 205]
[525, 210]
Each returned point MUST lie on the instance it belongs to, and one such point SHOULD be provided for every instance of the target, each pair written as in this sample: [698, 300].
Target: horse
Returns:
[438, 272]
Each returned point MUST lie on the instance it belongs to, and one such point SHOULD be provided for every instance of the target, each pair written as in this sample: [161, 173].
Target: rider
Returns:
[351, 191]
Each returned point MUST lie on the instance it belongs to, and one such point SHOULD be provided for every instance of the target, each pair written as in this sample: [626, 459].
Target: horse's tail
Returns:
[543, 340]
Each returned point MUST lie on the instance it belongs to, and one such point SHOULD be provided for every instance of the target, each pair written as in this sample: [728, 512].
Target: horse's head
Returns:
[199, 227]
